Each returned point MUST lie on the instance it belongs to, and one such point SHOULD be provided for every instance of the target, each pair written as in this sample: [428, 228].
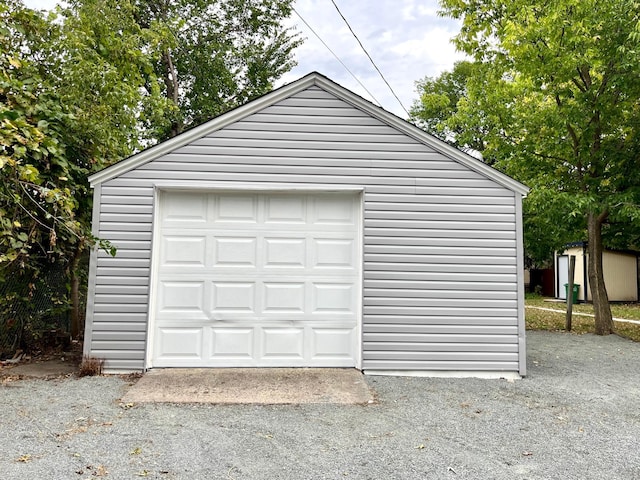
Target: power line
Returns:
[369, 56]
[337, 58]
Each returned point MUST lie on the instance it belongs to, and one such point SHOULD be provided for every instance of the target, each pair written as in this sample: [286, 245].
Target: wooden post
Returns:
[572, 269]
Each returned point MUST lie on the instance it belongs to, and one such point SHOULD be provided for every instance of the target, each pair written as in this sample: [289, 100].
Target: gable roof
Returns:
[312, 79]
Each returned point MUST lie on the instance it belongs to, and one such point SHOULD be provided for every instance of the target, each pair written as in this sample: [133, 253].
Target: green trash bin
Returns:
[576, 289]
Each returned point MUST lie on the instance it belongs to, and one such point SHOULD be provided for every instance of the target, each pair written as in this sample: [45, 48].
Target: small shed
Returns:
[620, 268]
[308, 228]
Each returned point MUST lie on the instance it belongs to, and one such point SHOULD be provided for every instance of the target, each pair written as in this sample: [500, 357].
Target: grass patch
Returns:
[555, 322]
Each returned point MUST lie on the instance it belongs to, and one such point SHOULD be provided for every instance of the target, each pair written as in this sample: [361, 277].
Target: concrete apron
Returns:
[261, 386]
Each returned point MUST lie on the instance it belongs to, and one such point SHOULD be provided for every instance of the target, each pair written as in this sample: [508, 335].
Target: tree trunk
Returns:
[173, 87]
[75, 292]
[601, 308]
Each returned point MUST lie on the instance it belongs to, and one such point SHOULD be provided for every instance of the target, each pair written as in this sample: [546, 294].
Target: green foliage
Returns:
[36, 201]
[214, 55]
[560, 101]
[554, 93]
[106, 80]
[97, 80]
[441, 98]
[71, 96]
[88, 85]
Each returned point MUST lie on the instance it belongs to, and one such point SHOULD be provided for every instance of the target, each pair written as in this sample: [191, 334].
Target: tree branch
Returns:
[558, 100]
[56, 220]
[170, 77]
[550, 157]
[577, 84]
[605, 79]
[585, 76]
[603, 216]
[574, 138]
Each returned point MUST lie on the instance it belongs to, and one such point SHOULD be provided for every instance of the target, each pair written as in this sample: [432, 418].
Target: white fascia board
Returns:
[422, 136]
[200, 131]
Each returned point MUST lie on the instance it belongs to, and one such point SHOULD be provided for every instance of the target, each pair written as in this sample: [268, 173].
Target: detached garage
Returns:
[308, 228]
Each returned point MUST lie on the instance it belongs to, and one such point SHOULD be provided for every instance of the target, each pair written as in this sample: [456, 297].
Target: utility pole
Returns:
[572, 269]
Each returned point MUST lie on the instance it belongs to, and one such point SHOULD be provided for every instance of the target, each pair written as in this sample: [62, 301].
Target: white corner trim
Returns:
[93, 268]
[153, 276]
[522, 333]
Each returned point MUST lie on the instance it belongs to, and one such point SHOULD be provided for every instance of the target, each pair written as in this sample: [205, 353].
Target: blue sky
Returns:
[406, 39]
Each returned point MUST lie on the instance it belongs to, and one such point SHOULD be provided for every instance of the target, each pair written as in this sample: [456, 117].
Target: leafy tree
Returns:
[105, 77]
[215, 55]
[35, 199]
[37, 204]
[440, 99]
[559, 100]
[102, 74]
[460, 108]
[97, 80]
[52, 134]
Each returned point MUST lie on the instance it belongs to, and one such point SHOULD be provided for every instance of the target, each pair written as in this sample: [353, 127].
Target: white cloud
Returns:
[430, 9]
[407, 10]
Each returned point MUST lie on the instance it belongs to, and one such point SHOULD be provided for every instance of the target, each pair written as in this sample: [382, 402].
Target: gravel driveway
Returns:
[576, 416]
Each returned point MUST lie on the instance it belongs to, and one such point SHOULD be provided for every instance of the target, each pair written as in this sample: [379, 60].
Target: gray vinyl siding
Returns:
[440, 266]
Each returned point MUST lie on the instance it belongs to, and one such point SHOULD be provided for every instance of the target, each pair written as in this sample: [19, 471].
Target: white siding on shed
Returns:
[441, 245]
[620, 274]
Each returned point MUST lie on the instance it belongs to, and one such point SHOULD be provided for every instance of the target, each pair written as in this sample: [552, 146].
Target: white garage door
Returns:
[256, 279]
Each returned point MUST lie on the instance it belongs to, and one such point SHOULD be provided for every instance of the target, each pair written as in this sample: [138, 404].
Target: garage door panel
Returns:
[333, 297]
[250, 345]
[236, 209]
[180, 251]
[285, 209]
[265, 280]
[185, 296]
[333, 210]
[232, 344]
[284, 297]
[235, 251]
[331, 253]
[283, 343]
[233, 297]
[285, 252]
[332, 343]
[184, 207]
[179, 343]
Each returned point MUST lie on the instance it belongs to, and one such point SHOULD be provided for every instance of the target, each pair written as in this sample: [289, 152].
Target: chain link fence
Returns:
[34, 312]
